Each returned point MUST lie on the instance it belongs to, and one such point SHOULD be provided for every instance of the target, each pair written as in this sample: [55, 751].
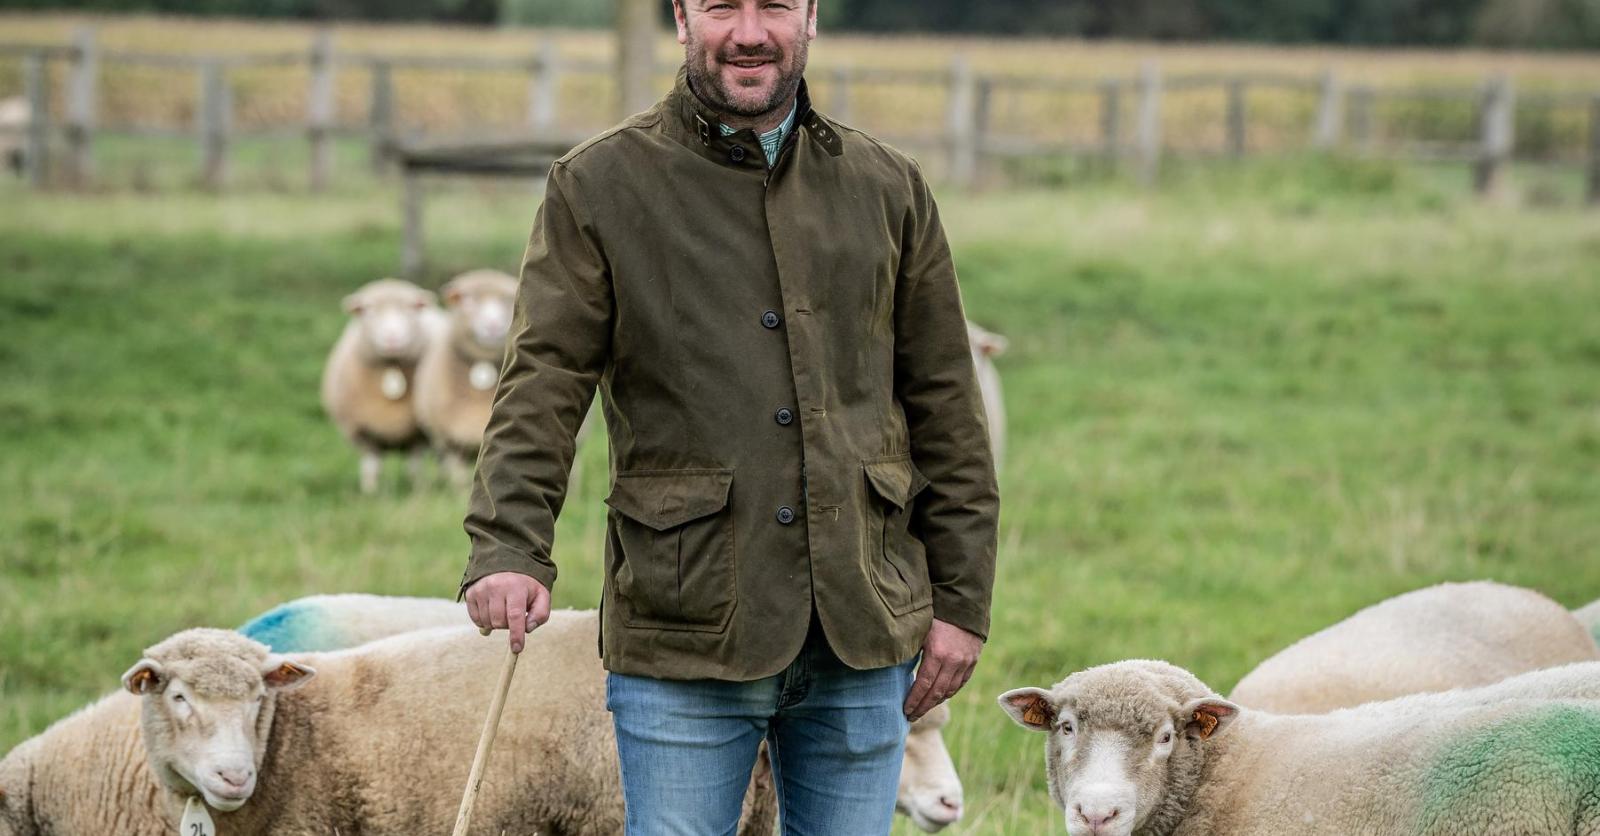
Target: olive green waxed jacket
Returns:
[792, 408]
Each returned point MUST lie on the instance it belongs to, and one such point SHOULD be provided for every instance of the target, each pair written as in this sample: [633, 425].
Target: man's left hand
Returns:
[948, 656]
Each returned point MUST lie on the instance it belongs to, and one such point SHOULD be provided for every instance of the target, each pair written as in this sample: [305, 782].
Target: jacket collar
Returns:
[695, 126]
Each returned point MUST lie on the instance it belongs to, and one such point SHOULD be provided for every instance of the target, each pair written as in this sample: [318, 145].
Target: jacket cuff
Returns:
[963, 612]
[489, 559]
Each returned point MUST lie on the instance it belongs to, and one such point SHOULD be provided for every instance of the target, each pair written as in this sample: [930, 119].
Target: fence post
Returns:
[1499, 134]
[636, 54]
[1111, 118]
[542, 87]
[1362, 105]
[1325, 134]
[81, 102]
[216, 118]
[1236, 117]
[319, 109]
[411, 252]
[962, 102]
[1594, 151]
[839, 102]
[36, 146]
[380, 116]
[1149, 138]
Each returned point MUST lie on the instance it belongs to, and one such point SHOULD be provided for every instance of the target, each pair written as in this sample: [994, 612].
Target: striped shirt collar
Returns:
[772, 140]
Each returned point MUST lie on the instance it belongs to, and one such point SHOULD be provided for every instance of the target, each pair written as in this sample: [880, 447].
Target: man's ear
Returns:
[811, 21]
[146, 677]
[1030, 708]
[681, 18]
[1208, 717]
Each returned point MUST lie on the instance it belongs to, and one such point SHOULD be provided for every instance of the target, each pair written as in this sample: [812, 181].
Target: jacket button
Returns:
[785, 417]
[785, 515]
[737, 154]
[770, 319]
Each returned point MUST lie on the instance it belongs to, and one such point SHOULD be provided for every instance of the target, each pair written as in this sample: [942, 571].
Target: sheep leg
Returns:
[371, 465]
[416, 464]
[457, 468]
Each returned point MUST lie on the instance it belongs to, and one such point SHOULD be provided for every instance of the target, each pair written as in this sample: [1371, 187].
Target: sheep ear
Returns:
[1030, 708]
[144, 678]
[1209, 716]
[353, 303]
[994, 345]
[451, 293]
[281, 674]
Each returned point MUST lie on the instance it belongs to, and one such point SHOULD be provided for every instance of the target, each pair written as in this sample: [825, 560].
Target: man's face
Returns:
[745, 57]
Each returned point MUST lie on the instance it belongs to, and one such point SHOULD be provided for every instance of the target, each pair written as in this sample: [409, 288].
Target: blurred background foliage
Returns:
[1563, 24]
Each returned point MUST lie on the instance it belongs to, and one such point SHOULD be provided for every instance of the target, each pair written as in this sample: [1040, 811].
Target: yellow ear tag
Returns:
[1208, 724]
[196, 819]
[1036, 713]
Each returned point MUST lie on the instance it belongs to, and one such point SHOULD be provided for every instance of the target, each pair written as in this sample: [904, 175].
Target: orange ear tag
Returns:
[1208, 724]
[1037, 713]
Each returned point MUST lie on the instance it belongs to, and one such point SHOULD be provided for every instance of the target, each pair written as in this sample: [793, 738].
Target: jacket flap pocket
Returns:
[896, 480]
[662, 499]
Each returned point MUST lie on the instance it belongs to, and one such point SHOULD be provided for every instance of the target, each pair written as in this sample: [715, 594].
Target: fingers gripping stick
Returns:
[490, 724]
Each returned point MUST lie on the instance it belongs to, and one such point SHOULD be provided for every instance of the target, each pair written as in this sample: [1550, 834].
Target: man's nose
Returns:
[747, 30]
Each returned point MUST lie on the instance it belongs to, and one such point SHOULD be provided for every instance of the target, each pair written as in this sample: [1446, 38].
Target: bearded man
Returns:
[803, 501]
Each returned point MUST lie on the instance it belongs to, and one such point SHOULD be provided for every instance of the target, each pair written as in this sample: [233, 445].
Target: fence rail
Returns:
[1121, 119]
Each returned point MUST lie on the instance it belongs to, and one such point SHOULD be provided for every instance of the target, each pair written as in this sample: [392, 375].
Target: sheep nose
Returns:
[1097, 819]
[951, 804]
[235, 778]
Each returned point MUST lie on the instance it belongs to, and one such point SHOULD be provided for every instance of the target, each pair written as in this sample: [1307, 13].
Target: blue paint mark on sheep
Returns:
[289, 628]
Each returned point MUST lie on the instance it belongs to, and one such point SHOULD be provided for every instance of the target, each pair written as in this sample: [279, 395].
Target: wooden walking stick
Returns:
[490, 724]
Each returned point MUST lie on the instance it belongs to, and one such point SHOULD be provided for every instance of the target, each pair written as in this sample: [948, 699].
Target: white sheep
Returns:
[369, 377]
[1144, 747]
[930, 792]
[336, 622]
[375, 739]
[1453, 635]
[457, 375]
[985, 346]
[15, 117]
[1589, 617]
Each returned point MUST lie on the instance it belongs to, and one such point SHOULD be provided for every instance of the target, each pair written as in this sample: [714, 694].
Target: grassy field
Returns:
[1241, 407]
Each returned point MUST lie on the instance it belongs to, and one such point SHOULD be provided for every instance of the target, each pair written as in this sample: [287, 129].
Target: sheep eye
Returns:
[1166, 738]
[178, 698]
[1066, 728]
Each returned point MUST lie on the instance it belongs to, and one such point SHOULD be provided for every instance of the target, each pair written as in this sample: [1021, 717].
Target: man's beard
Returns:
[707, 82]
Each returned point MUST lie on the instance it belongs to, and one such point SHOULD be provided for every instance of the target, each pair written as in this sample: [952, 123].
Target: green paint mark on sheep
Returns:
[1537, 772]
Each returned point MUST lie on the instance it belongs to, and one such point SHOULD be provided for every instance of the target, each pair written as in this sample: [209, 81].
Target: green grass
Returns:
[1241, 407]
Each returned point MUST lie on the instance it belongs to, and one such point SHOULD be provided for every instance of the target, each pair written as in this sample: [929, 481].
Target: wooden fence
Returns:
[1126, 123]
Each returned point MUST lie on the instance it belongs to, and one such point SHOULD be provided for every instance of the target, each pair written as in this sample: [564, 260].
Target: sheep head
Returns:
[930, 789]
[480, 303]
[391, 316]
[1126, 743]
[208, 699]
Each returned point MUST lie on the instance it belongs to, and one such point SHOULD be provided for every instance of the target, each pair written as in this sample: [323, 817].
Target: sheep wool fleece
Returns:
[794, 419]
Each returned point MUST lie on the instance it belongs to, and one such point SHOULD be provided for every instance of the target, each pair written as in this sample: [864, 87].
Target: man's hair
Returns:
[810, 4]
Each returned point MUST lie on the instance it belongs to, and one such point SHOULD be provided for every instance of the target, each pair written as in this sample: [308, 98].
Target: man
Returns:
[802, 491]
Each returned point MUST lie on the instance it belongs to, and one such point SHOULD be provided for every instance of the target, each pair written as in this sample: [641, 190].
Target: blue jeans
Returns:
[835, 736]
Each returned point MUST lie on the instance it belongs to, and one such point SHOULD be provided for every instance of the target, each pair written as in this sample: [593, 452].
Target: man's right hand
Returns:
[508, 601]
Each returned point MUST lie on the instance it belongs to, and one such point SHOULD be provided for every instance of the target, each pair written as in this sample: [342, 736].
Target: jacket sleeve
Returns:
[956, 516]
[559, 345]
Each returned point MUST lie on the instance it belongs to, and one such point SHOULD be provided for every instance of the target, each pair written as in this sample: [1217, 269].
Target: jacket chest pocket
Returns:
[672, 548]
[895, 558]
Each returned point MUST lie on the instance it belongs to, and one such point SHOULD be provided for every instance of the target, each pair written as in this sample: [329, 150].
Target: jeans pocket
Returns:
[672, 545]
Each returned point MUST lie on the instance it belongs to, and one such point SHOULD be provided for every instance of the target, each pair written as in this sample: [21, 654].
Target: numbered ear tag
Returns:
[483, 376]
[196, 820]
[393, 384]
